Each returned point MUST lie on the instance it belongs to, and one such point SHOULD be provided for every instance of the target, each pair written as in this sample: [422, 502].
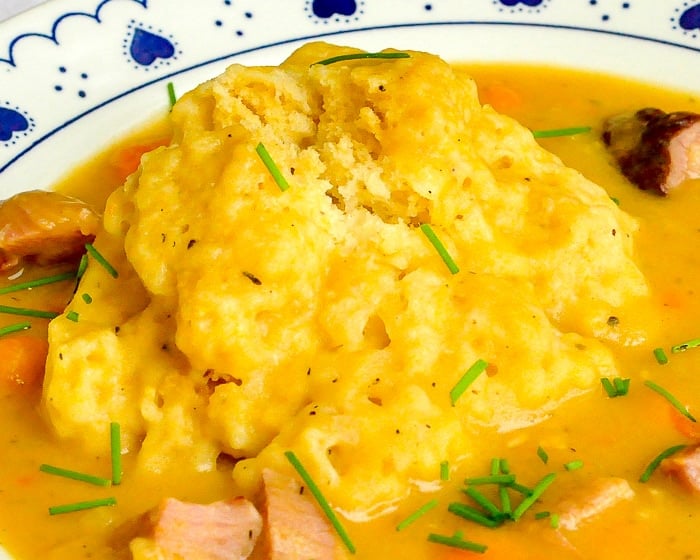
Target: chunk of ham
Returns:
[224, 530]
[46, 227]
[593, 499]
[295, 527]
[684, 467]
[655, 150]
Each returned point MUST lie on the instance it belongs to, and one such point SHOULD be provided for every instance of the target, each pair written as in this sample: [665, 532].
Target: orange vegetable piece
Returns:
[685, 426]
[128, 159]
[22, 361]
[501, 97]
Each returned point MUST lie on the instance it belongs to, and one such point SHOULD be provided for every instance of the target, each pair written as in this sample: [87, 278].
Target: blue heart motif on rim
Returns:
[11, 121]
[531, 3]
[329, 8]
[690, 19]
[146, 47]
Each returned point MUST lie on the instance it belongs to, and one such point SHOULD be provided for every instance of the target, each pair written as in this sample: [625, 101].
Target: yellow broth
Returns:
[612, 437]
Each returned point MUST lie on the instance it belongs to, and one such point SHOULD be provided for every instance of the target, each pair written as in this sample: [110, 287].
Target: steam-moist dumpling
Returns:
[250, 320]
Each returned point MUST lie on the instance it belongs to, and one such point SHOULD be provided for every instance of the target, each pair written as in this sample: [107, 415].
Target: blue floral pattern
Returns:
[51, 78]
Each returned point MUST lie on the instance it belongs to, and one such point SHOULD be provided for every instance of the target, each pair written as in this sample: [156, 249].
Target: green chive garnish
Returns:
[472, 514]
[484, 502]
[95, 254]
[272, 167]
[75, 475]
[456, 541]
[16, 327]
[171, 94]
[618, 387]
[524, 490]
[615, 200]
[360, 56]
[491, 479]
[670, 398]
[420, 512]
[573, 465]
[554, 521]
[683, 346]
[646, 475]
[115, 441]
[542, 454]
[660, 356]
[82, 266]
[322, 502]
[542, 515]
[28, 312]
[79, 506]
[505, 467]
[537, 491]
[73, 316]
[467, 379]
[506, 506]
[445, 471]
[87, 298]
[561, 132]
[440, 248]
[38, 282]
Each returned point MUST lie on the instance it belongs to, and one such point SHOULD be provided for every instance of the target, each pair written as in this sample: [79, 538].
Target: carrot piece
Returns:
[22, 360]
[127, 160]
[501, 97]
[683, 425]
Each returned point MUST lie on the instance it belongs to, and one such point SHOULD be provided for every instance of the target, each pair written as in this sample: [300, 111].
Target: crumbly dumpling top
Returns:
[248, 320]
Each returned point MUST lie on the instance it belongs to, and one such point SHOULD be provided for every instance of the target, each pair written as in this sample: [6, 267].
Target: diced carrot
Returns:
[127, 160]
[22, 360]
[501, 97]
[685, 426]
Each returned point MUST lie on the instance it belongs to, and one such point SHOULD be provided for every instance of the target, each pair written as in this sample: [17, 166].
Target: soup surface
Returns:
[584, 440]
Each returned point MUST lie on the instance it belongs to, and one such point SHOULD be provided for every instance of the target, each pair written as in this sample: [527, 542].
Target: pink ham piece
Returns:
[685, 468]
[591, 500]
[295, 527]
[224, 530]
[655, 150]
[45, 227]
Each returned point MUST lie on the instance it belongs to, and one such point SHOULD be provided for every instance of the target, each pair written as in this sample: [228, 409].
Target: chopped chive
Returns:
[87, 298]
[491, 479]
[670, 398]
[360, 56]
[322, 502]
[445, 471]
[420, 512]
[16, 327]
[646, 475]
[272, 167]
[524, 490]
[472, 514]
[115, 444]
[542, 515]
[495, 466]
[38, 282]
[615, 200]
[75, 475]
[82, 266]
[609, 387]
[505, 468]
[95, 254]
[660, 356]
[506, 506]
[73, 316]
[552, 133]
[456, 541]
[440, 248]
[484, 502]
[622, 386]
[573, 465]
[537, 491]
[683, 346]
[554, 521]
[79, 506]
[542, 454]
[476, 369]
[28, 312]
[171, 94]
